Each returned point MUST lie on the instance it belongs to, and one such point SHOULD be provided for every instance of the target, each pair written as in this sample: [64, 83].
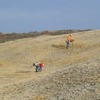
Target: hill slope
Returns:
[67, 74]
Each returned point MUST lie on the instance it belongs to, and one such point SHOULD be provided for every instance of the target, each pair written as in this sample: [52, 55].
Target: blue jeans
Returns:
[38, 68]
[67, 44]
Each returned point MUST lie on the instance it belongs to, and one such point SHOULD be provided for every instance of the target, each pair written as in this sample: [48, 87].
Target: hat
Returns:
[70, 34]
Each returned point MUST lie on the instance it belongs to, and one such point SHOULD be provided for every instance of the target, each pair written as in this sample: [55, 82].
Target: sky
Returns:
[43, 15]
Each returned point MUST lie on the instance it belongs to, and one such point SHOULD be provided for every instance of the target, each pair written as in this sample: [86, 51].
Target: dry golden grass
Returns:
[39, 98]
[17, 57]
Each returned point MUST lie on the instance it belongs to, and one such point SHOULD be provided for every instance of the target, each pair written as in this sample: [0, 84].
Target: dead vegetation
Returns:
[4, 37]
[67, 74]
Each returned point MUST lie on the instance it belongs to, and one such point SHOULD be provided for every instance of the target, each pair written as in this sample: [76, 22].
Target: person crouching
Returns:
[38, 66]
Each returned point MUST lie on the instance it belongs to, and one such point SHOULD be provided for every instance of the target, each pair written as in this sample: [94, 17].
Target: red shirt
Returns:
[41, 65]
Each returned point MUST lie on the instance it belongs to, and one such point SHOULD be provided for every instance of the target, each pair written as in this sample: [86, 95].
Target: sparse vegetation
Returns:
[68, 74]
[4, 37]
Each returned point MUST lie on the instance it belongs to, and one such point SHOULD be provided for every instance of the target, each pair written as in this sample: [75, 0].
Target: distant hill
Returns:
[4, 37]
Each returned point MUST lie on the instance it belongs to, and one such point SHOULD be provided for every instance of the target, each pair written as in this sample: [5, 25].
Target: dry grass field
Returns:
[68, 74]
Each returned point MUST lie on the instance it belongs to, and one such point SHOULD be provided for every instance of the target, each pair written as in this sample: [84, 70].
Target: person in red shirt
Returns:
[41, 65]
[38, 66]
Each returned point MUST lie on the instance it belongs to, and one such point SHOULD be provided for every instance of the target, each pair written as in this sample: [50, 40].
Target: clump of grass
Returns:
[39, 98]
[59, 46]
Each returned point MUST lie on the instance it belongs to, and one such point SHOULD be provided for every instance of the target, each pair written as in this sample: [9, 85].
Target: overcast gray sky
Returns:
[40, 15]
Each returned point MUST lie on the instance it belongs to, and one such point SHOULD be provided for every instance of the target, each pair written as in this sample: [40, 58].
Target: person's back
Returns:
[69, 37]
[41, 65]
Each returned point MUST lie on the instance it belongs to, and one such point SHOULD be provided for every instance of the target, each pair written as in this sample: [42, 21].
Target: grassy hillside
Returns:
[17, 74]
